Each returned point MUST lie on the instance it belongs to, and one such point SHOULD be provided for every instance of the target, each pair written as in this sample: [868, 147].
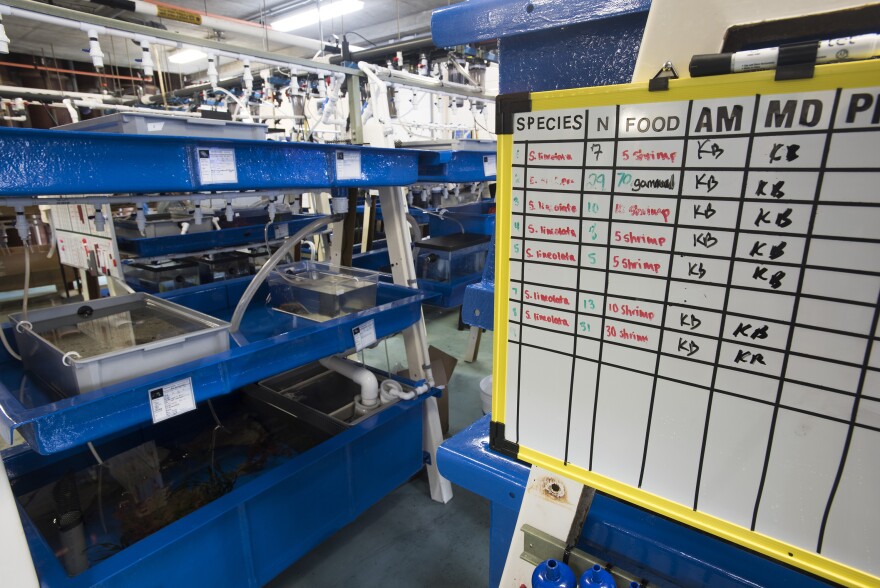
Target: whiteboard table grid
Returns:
[788, 440]
[578, 324]
[732, 266]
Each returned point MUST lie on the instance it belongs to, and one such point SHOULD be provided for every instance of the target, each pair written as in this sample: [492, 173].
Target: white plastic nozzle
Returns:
[230, 214]
[409, 197]
[272, 211]
[18, 104]
[184, 228]
[4, 40]
[100, 221]
[197, 213]
[146, 59]
[339, 204]
[95, 49]
[248, 77]
[21, 224]
[213, 76]
[141, 220]
[445, 193]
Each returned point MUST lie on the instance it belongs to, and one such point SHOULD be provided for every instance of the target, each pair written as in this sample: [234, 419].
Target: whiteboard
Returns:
[687, 304]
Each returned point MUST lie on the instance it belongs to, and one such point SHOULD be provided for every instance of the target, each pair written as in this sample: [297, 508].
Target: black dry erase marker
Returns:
[828, 51]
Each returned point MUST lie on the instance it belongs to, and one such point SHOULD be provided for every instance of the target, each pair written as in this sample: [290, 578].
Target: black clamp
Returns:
[660, 81]
[796, 61]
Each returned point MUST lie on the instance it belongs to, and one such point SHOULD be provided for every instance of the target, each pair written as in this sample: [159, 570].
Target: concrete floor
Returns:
[407, 539]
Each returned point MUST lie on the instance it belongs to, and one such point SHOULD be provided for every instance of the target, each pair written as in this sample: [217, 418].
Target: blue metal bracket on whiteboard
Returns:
[454, 166]
[37, 162]
[550, 44]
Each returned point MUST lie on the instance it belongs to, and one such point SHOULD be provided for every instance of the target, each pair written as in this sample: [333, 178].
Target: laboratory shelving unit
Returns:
[250, 534]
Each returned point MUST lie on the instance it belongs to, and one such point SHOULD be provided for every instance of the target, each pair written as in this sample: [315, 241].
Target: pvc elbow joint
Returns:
[95, 49]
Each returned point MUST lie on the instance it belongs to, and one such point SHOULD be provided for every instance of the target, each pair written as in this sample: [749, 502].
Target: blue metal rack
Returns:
[71, 162]
[294, 505]
[454, 166]
[249, 535]
[272, 342]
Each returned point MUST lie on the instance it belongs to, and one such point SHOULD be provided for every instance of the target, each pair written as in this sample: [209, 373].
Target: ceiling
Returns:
[379, 21]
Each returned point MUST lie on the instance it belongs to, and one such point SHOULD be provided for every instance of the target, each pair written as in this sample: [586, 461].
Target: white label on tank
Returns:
[155, 127]
[171, 400]
[217, 166]
[489, 165]
[281, 231]
[348, 165]
[364, 335]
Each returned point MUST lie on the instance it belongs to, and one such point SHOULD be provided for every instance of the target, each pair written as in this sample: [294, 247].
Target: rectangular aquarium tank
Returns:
[87, 513]
[452, 256]
[163, 224]
[224, 266]
[77, 348]
[321, 291]
[319, 396]
[162, 276]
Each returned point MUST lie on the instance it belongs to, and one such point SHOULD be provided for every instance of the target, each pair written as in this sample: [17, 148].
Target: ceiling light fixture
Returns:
[305, 18]
[186, 56]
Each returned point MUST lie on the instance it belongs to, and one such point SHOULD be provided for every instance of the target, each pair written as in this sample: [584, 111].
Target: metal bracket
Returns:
[796, 61]
[540, 546]
[660, 81]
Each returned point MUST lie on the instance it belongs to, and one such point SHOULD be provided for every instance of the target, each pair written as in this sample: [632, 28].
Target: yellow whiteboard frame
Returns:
[827, 77]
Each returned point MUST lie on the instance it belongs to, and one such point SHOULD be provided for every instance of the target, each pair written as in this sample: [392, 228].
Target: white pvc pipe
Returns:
[85, 27]
[243, 109]
[378, 98]
[213, 22]
[359, 375]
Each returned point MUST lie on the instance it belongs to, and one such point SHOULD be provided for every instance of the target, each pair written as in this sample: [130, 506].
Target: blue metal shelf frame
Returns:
[55, 426]
[453, 166]
[550, 44]
[207, 240]
[37, 162]
[645, 544]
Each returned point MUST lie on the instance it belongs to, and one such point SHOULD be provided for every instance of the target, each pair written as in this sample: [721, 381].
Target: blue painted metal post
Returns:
[544, 45]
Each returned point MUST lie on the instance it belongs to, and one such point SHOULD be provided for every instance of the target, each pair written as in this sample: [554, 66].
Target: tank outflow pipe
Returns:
[289, 244]
[369, 397]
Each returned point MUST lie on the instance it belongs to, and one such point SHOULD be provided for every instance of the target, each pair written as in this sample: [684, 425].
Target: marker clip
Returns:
[796, 61]
[660, 81]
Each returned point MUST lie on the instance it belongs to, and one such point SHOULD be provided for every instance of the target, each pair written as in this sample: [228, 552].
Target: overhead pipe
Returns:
[426, 83]
[381, 50]
[85, 22]
[216, 22]
[68, 71]
[46, 95]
